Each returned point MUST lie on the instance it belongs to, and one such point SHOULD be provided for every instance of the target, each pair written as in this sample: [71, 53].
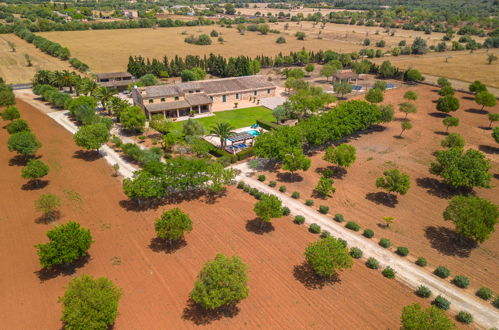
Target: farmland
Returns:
[156, 283]
[418, 223]
[13, 65]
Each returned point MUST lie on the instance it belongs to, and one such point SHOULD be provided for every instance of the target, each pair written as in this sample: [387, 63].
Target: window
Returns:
[268, 91]
[237, 96]
[162, 99]
[211, 98]
[198, 91]
[254, 93]
[151, 100]
[224, 98]
[176, 98]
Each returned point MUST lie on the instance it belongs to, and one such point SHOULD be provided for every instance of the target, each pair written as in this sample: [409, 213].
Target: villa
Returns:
[118, 80]
[183, 99]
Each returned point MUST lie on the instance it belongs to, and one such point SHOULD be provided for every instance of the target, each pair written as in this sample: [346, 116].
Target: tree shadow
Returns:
[19, 160]
[199, 316]
[439, 114]
[468, 98]
[398, 137]
[46, 274]
[488, 149]
[259, 227]
[441, 133]
[89, 156]
[35, 184]
[45, 219]
[306, 276]
[449, 242]
[338, 172]
[383, 198]
[440, 189]
[477, 111]
[289, 177]
[485, 128]
[161, 245]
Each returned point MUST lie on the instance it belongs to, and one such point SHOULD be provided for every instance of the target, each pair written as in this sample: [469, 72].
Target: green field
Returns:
[237, 118]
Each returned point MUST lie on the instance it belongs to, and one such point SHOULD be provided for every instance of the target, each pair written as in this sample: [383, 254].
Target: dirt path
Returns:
[406, 271]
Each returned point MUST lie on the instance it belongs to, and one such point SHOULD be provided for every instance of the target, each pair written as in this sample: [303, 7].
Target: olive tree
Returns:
[477, 86]
[414, 317]
[374, 95]
[410, 96]
[11, 113]
[461, 168]
[493, 117]
[172, 225]
[133, 118]
[405, 125]
[222, 282]
[450, 122]
[485, 99]
[90, 303]
[24, 143]
[92, 137]
[295, 161]
[453, 140]
[474, 217]
[343, 155]
[407, 108]
[268, 207]
[325, 187]
[48, 204]
[394, 181]
[68, 243]
[328, 256]
[17, 125]
[34, 170]
[448, 103]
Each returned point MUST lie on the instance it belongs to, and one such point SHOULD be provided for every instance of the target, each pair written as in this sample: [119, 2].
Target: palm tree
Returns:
[117, 105]
[56, 79]
[67, 79]
[104, 95]
[223, 131]
[42, 77]
[89, 87]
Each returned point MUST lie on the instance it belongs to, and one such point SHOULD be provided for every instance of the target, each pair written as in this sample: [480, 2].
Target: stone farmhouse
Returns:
[118, 80]
[197, 97]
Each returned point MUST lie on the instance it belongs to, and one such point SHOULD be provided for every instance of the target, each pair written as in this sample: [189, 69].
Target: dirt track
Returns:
[156, 284]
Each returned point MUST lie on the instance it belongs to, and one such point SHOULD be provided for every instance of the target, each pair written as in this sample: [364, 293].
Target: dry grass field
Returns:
[13, 66]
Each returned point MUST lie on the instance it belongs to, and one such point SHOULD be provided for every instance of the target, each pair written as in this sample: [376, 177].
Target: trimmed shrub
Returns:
[323, 209]
[339, 218]
[253, 191]
[241, 185]
[314, 228]
[485, 293]
[345, 244]
[423, 291]
[282, 189]
[441, 303]
[352, 225]
[299, 219]
[388, 272]
[356, 253]
[259, 195]
[385, 242]
[372, 263]
[325, 234]
[461, 281]
[309, 202]
[368, 233]
[295, 195]
[267, 125]
[285, 210]
[441, 272]
[261, 177]
[246, 189]
[272, 184]
[496, 303]
[421, 262]
[402, 251]
[464, 317]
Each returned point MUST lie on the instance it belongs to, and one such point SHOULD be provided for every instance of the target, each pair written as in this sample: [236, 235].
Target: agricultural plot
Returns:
[156, 283]
[418, 222]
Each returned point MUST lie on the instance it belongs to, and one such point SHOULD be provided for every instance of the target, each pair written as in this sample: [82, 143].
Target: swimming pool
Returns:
[253, 132]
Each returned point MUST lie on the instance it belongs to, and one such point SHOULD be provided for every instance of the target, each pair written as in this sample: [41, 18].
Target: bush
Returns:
[299, 219]
[309, 202]
[272, 184]
[282, 189]
[241, 185]
[441, 303]
[339, 218]
[423, 291]
[402, 251]
[421, 262]
[246, 189]
[259, 195]
[368, 233]
[253, 191]
[484, 293]
[261, 177]
[295, 195]
[388, 272]
[345, 244]
[314, 228]
[325, 234]
[286, 211]
[323, 209]
[356, 253]
[461, 281]
[352, 225]
[385, 242]
[441, 272]
[464, 317]
[372, 263]
[267, 125]
[17, 125]
[496, 303]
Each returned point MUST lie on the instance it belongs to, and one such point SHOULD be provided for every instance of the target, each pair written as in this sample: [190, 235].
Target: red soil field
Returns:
[419, 223]
[156, 284]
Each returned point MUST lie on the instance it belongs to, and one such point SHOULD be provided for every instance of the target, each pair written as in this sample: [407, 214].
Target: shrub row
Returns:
[45, 45]
[78, 65]
[267, 125]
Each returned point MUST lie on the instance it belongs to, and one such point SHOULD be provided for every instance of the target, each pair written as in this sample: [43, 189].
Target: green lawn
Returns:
[237, 118]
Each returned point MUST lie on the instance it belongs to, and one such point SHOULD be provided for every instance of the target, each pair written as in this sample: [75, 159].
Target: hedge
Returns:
[267, 124]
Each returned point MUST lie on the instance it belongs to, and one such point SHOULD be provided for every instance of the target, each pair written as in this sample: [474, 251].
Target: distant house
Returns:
[66, 17]
[346, 75]
[119, 80]
[182, 99]
[130, 13]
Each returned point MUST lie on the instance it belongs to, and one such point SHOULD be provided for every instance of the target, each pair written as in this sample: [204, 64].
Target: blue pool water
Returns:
[253, 132]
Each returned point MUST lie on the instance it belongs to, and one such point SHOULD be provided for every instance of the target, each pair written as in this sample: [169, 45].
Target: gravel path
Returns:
[407, 272]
